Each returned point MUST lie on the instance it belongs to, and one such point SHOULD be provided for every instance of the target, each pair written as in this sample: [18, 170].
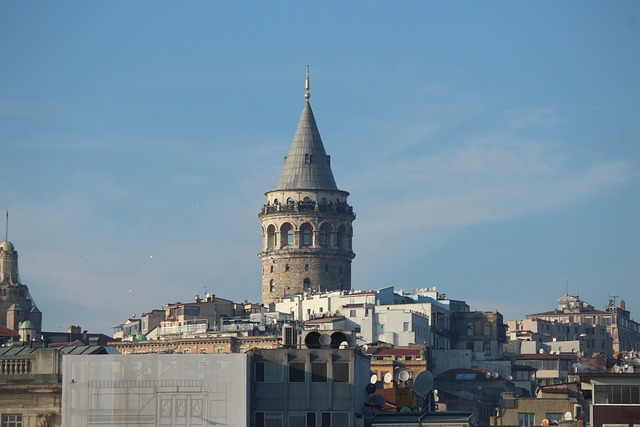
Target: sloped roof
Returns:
[307, 165]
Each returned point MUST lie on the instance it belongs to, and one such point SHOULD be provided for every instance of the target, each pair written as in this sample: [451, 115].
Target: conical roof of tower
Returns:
[307, 166]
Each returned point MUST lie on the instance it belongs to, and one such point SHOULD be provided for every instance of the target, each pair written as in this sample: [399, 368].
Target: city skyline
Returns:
[489, 150]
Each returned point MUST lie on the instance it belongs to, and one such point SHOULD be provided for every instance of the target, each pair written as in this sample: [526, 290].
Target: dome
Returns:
[7, 246]
[26, 325]
[140, 337]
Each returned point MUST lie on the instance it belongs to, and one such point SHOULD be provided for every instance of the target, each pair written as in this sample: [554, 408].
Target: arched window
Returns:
[272, 286]
[323, 235]
[306, 267]
[272, 269]
[290, 201]
[306, 234]
[307, 284]
[342, 237]
[287, 267]
[271, 237]
[286, 235]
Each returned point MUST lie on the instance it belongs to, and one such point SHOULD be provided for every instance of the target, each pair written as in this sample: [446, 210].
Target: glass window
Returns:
[319, 372]
[12, 420]
[268, 372]
[296, 372]
[268, 419]
[486, 329]
[341, 372]
[290, 237]
[470, 329]
[322, 237]
[306, 237]
[405, 326]
[526, 419]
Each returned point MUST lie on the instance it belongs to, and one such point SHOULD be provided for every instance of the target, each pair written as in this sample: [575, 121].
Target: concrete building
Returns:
[585, 323]
[16, 303]
[306, 221]
[614, 398]
[301, 387]
[553, 403]
[480, 332]
[155, 390]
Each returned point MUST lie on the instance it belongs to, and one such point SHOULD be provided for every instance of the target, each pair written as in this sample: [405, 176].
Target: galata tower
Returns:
[306, 221]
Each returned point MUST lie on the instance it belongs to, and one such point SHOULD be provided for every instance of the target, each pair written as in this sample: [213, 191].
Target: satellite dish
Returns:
[568, 416]
[423, 384]
[509, 378]
[495, 375]
[374, 379]
[387, 378]
[344, 345]
[363, 349]
[488, 375]
[541, 351]
[403, 376]
[377, 400]
[325, 339]
[370, 388]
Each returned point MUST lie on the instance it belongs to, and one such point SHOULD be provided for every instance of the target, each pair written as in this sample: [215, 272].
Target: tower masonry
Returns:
[306, 221]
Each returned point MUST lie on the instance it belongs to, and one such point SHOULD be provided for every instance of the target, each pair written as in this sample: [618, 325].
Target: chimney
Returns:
[622, 304]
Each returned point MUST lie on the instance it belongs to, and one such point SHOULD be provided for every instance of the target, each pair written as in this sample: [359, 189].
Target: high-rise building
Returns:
[16, 304]
[306, 222]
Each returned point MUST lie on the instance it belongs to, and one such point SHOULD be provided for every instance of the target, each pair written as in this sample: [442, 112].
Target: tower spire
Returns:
[6, 226]
[307, 95]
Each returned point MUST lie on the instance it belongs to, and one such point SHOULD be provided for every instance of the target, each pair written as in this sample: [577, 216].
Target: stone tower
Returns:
[16, 304]
[306, 222]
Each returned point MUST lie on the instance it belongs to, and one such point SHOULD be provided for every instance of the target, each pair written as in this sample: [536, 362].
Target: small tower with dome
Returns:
[306, 221]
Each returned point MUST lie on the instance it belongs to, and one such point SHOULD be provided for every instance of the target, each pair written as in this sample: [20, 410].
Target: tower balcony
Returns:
[307, 207]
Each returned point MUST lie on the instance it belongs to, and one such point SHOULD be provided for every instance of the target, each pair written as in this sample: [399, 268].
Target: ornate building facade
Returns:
[306, 222]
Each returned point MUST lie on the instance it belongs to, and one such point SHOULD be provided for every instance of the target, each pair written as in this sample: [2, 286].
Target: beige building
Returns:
[306, 221]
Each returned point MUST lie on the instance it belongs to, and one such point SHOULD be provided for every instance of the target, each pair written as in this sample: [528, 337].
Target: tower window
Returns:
[289, 237]
[290, 200]
[306, 237]
[306, 267]
[272, 286]
[307, 284]
[307, 158]
[323, 237]
[287, 267]
[272, 269]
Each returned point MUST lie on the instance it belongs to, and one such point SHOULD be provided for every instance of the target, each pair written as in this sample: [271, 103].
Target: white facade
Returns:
[155, 390]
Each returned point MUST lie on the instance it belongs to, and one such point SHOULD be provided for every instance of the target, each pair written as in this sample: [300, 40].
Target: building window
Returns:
[616, 394]
[204, 351]
[319, 372]
[306, 237]
[553, 416]
[306, 267]
[272, 269]
[335, 419]
[352, 313]
[340, 372]
[302, 419]
[307, 284]
[405, 326]
[469, 329]
[287, 267]
[296, 372]
[268, 372]
[526, 419]
[289, 237]
[268, 419]
[486, 330]
[12, 420]
[486, 348]
[322, 237]
[220, 350]
[272, 286]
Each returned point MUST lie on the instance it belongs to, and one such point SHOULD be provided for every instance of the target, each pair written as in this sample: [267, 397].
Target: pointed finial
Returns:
[307, 95]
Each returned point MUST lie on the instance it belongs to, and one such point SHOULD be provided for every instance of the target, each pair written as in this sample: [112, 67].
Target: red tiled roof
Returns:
[6, 332]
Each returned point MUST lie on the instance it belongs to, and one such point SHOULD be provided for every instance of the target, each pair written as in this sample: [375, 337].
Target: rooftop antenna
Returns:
[6, 226]
[567, 285]
[307, 95]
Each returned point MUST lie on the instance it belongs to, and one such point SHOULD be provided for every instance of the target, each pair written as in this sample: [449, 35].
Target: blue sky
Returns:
[490, 148]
